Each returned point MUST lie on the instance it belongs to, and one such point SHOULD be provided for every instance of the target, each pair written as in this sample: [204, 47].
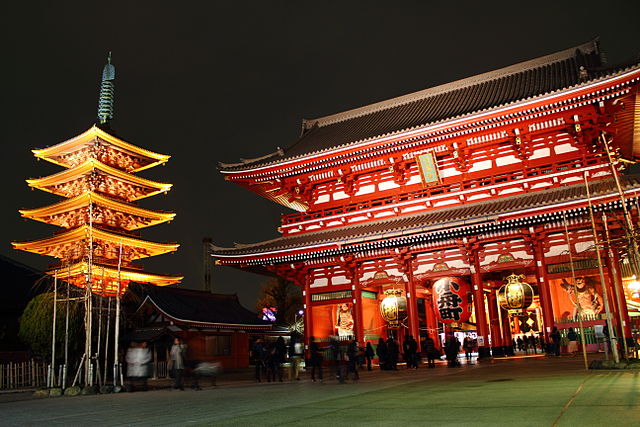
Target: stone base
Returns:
[483, 352]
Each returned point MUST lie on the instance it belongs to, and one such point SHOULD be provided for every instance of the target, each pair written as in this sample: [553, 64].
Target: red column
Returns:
[432, 321]
[494, 325]
[478, 304]
[621, 303]
[412, 304]
[358, 311]
[543, 286]
[308, 316]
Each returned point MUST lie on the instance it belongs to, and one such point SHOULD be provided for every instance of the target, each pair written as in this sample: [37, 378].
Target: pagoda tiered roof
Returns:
[106, 244]
[94, 175]
[73, 212]
[80, 269]
[527, 81]
[96, 143]
[435, 225]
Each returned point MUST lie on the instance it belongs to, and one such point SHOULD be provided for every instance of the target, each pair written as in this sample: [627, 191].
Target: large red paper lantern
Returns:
[451, 299]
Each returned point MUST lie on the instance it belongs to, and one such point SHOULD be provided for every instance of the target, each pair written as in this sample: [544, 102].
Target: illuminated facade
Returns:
[472, 181]
[101, 221]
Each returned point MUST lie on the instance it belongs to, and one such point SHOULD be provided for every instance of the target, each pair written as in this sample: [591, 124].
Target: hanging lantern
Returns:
[393, 307]
[451, 299]
[515, 296]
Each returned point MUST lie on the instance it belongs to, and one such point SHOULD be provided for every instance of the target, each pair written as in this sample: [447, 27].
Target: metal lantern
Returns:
[516, 295]
[393, 307]
[452, 300]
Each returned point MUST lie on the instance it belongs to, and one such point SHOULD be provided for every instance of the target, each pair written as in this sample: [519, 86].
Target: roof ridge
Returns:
[584, 48]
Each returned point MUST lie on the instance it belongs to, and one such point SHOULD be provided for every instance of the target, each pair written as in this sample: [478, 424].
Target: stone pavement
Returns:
[516, 392]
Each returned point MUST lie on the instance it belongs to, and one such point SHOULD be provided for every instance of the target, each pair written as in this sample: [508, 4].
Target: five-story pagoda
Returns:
[100, 240]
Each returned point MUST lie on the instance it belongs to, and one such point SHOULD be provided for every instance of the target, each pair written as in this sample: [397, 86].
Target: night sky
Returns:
[216, 81]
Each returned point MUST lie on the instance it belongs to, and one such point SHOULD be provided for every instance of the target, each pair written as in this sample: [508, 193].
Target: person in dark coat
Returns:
[279, 357]
[315, 359]
[392, 351]
[352, 359]
[451, 349]
[555, 340]
[271, 361]
[338, 360]
[410, 349]
[432, 351]
[369, 354]
[382, 354]
[258, 356]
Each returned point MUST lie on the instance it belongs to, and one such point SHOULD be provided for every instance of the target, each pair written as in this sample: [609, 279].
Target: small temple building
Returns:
[99, 216]
[215, 327]
[500, 204]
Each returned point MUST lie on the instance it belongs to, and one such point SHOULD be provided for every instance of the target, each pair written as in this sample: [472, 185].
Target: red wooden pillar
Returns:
[478, 304]
[543, 286]
[507, 338]
[432, 321]
[613, 264]
[308, 313]
[412, 304]
[358, 309]
[494, 325]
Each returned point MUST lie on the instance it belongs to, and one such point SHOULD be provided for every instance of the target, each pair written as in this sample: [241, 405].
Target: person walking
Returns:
[369, 354]
[178, 359]
[451, 348]
[573, 341]
[280, 356]
[392, 351]
[352, 359]
[468, 345]
[338, 360]
[315, 359]
[432, 351]
[555, 340]
[296, 351]
[383, 354]
[258, 356]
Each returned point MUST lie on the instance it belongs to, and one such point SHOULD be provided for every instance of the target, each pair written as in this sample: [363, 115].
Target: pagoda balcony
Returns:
[134, 233]
[97, 262]
[455, 193]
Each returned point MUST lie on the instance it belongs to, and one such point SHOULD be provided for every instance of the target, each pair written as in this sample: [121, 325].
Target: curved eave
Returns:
[79, 141]
[82, 232]
[85, 199]
[91, 165]
[447, 124]
[198, 323]
[110, 272]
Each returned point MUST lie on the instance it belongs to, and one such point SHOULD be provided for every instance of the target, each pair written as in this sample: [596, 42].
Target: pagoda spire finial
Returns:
[107, 92]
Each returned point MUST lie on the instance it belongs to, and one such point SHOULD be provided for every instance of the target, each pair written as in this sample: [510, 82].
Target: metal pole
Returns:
[89, 301]
[106, 339]
[619, 299]
[607, 310]
[575, 291]
[116, 328]
[53, 330]
[66, 330]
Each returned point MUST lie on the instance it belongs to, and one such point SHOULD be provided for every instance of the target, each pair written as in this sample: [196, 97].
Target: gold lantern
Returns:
[516, 295]
[393, 307]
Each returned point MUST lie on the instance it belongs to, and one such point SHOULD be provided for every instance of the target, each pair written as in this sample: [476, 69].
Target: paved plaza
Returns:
[517, 392]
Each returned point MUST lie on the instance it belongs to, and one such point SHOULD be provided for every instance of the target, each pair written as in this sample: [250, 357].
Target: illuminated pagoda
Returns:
[442, 194]
[99, 215]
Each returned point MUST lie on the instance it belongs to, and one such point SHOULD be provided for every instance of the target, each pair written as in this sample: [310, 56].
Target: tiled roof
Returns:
[434, 220]
[474, 94]
[193, 306]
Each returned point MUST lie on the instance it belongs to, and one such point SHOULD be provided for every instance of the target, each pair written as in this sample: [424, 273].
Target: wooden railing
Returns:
[23, 375]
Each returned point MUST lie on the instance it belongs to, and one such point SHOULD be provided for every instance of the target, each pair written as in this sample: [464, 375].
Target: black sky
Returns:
[216, 81]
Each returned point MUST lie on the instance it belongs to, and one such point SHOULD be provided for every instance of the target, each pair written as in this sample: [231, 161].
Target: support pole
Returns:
[116, 328]
[575, 291]
[66, 329]
[53, 330]
[620, 300]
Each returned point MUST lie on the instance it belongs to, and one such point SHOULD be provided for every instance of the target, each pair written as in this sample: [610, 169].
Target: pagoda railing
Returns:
[453, 188]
